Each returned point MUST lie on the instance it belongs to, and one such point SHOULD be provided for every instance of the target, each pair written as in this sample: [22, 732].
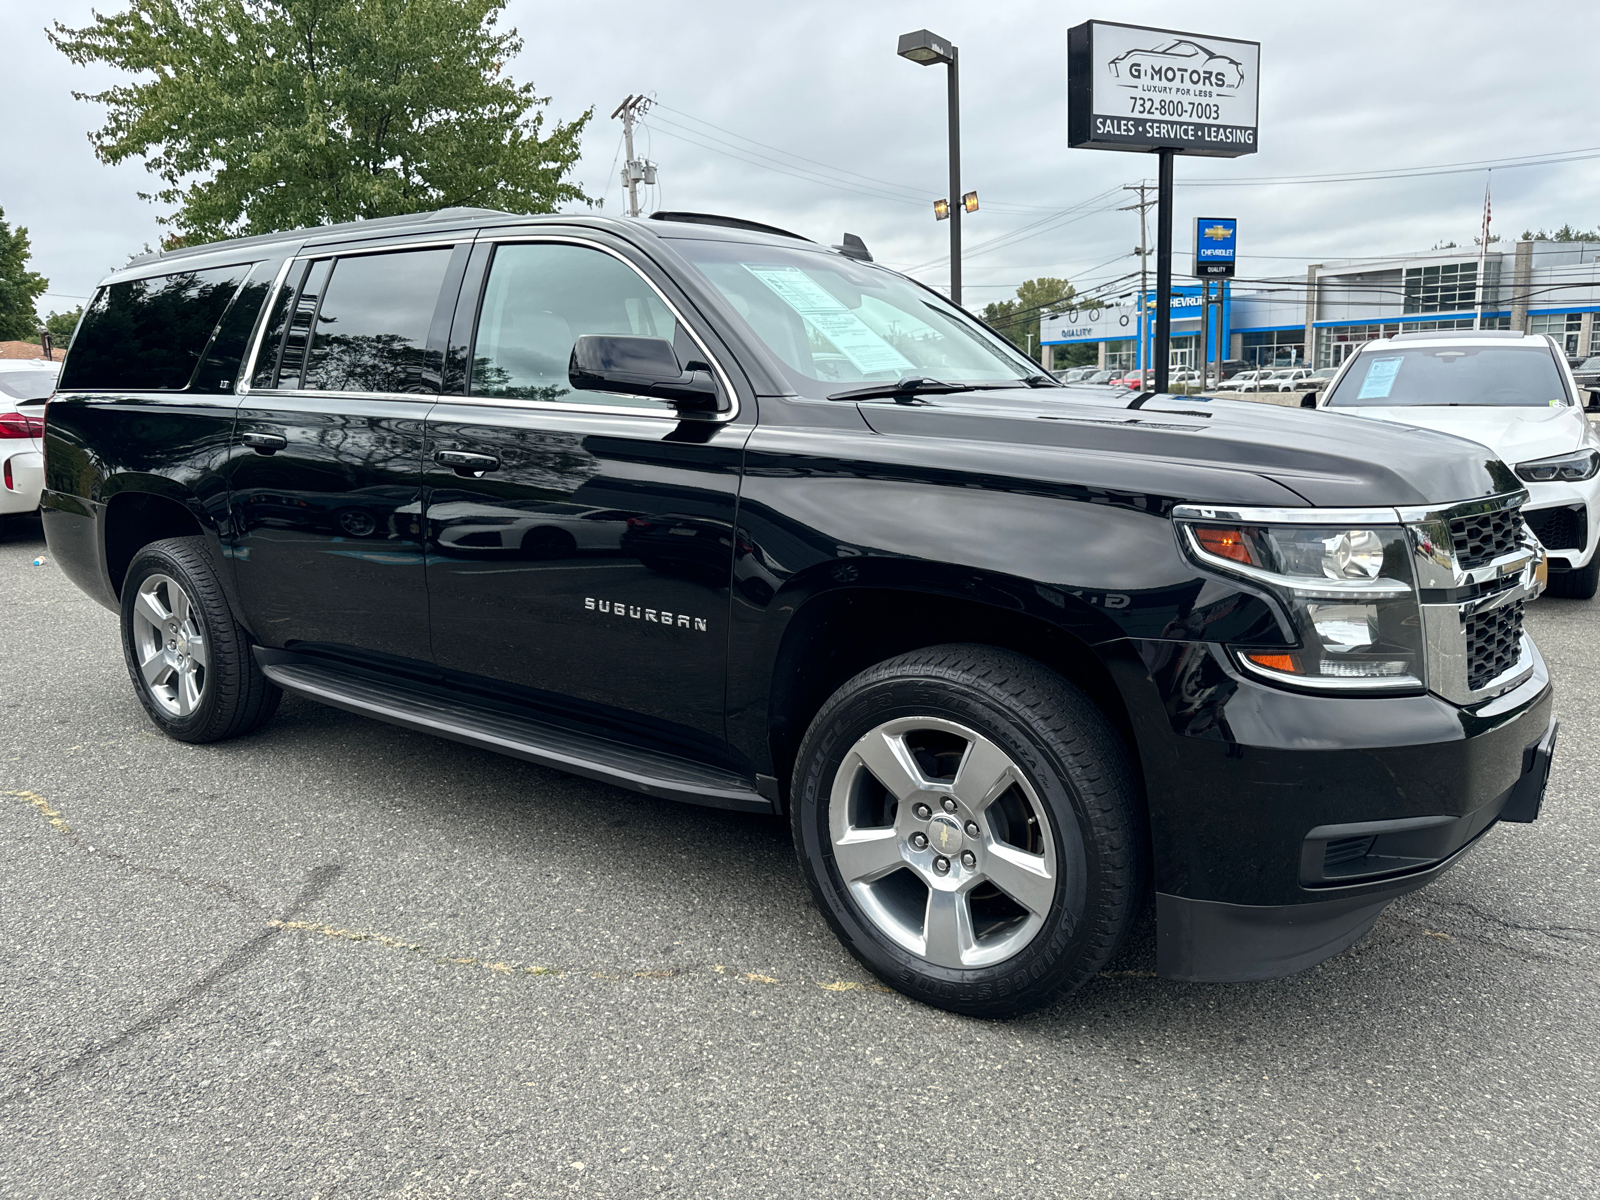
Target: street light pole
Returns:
[927, 49]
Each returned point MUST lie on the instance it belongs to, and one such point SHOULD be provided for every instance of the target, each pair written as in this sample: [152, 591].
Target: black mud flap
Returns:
[1528, 794]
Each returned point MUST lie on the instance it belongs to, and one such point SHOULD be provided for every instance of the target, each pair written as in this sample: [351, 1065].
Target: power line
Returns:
[919, 193]
[1486, 164]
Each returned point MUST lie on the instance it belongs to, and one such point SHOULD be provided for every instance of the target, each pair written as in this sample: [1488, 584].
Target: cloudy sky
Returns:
[802, 116]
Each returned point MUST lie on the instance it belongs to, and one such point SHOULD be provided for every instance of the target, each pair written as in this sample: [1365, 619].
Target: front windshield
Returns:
[1520, 376]
[836, 323]
[1590, 364]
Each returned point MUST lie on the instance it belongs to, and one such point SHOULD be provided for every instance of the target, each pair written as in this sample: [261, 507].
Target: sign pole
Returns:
[1163, 266]
[1205, 332]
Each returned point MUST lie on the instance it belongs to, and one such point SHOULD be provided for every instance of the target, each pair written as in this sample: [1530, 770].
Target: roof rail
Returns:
[690, 218]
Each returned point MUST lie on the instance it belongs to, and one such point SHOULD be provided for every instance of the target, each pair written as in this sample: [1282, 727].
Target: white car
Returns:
[1254, 381]
[1294, 380]
[25, 385]
[1515, 394]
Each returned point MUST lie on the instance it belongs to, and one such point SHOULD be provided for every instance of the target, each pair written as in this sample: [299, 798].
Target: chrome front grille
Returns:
[1494, 644]
[1480, 539]
[1472, 594]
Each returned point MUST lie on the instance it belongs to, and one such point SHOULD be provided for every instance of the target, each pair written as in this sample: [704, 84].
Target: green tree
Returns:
[260, 115]
[20, 288]
[1018, 319]
[62, 325]
[1565, 234]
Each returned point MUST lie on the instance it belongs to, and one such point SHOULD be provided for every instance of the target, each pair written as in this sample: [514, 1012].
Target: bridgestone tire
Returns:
[1078, 771]
[1577, 585]
[234, 697]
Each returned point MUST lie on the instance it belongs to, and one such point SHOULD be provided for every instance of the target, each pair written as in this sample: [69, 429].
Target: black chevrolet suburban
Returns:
[699, 507]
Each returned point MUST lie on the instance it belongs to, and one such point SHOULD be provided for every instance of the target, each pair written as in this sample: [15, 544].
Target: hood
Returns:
[1515, 434]
[1326, 458]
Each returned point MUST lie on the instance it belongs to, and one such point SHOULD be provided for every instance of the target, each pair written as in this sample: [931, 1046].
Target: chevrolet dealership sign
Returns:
[1130, 87]
[1216, 242]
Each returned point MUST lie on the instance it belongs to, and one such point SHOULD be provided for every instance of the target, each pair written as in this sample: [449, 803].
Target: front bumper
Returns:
[1283, 824]
[1569, 512]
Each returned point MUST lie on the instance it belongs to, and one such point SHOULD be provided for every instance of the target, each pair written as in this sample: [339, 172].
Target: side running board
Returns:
[440, 713]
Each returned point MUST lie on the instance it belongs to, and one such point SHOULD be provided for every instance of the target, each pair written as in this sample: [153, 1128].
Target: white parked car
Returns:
[1295, 379]
[1515, 394]
[25, 385]
[1263, 380]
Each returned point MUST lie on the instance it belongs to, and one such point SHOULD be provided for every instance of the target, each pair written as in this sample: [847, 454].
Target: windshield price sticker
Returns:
[1380, 379]
[824, 312]
[1135, 88]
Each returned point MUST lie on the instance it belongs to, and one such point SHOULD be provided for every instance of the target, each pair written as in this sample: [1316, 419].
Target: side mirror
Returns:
[640, 366]
[1594, 401]
[1309, 400]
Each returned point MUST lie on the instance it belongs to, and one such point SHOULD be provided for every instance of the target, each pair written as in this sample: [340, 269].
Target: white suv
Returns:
[1515, 394]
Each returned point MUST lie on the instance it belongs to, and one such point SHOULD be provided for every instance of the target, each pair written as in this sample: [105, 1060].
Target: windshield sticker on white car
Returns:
[866, 349]
[1380, 378]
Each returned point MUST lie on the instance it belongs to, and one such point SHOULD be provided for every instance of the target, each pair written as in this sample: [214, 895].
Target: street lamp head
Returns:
[969, 201]
[941, 210]
[926, 48]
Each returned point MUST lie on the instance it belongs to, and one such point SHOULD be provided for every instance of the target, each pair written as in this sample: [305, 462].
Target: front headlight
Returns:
[1567, 468]
[1348, 593]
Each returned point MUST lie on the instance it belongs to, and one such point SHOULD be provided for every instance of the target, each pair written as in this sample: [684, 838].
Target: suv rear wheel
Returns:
[189, 660]
[966, 821]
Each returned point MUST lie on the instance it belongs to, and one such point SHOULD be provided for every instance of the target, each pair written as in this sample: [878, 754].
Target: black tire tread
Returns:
[243, 699]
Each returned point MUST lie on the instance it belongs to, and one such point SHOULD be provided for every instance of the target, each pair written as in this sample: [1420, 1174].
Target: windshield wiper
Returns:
[1037, 381]
[905, 389]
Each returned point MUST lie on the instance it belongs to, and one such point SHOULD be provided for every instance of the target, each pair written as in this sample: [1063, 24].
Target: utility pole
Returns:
[1143, 252]
[634, 171]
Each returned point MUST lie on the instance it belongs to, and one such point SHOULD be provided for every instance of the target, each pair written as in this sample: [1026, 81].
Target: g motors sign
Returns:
[1130, 87]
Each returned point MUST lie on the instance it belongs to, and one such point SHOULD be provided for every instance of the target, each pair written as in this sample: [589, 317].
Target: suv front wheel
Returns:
[189, 660]
[966, 820]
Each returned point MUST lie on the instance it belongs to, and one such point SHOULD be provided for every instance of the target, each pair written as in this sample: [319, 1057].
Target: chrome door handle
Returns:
[264, 443]
[465, 462]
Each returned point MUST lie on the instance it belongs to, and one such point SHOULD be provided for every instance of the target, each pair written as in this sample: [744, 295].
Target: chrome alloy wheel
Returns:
[170, 645]
[942, 842]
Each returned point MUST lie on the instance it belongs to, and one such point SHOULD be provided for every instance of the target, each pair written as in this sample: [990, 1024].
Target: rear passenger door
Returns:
[326, 476]
[582, 551]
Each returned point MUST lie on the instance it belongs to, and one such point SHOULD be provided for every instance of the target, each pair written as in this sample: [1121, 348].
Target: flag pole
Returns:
[1483, 250]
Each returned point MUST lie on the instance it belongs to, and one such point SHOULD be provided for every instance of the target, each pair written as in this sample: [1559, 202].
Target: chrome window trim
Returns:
[313, 394]
[1287, 516]
[242, 387]
[329, 249]
[667, 412]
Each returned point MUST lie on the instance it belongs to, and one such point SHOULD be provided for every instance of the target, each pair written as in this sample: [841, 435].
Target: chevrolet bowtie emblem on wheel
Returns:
[945, 835]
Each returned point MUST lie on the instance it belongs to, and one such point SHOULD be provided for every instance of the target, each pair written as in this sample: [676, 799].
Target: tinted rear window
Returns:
[148, 334]
[371, 329]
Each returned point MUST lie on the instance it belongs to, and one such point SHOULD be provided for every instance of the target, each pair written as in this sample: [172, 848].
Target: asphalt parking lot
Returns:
[337, 959]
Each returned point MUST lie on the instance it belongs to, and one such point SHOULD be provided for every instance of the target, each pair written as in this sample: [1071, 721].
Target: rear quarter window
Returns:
[149, 334]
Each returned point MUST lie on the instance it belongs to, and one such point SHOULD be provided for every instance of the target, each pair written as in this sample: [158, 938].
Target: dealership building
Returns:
[1321, 316]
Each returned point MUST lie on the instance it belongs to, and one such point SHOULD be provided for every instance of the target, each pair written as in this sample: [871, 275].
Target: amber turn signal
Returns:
[1224, 543]
[1276, 662]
